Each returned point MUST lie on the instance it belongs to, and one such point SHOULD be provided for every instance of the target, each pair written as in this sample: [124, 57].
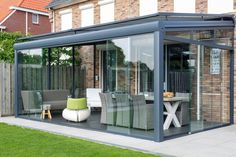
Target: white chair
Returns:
[93, 98]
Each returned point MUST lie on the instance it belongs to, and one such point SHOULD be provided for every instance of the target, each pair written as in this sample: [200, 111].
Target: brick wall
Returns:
[124, 9]
[17, 19]
[17, 23]
[165, 5]
[201, 6]
[42, 27]
[234, 69]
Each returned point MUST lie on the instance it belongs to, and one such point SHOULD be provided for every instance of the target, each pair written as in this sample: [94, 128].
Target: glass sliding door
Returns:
[128, 68]
[32, 67]
[210, 106]
[178, 78]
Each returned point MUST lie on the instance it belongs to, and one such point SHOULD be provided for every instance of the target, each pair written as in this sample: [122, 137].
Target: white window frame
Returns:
[184, 6]
[87, 20]
[63, 13]
[104, 19]
[37, 18]
[220, 6]
[147, 7]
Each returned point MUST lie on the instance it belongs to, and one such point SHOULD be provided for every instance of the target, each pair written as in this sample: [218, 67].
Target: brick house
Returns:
[26, 16]
[131, 48]
[90, 12]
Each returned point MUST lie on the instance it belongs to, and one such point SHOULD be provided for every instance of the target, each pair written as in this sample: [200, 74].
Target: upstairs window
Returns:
[220, 6]
[87, 15]
[35, 18]
[107, 9]
[184, 6]
[66, 19]
[147, 7]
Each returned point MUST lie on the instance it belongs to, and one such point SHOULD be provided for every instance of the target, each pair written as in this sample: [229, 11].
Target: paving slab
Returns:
[219, 142]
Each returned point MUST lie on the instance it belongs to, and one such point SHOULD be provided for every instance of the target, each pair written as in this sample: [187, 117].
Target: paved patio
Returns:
[214, 143]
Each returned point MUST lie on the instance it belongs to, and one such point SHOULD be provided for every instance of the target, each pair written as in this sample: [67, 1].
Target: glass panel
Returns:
[84, 70]
[177, 95]
[224, 37]
[210, 106]
[203, 35]
[128, 71]
[30, 82]
[61, 69]
[182, 34]
[198, 79]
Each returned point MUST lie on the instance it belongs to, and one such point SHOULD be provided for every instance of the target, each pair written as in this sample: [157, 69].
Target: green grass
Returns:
[22, 142]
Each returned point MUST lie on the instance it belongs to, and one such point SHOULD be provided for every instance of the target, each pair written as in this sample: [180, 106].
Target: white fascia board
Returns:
[86, 6]
[2, 27]
[67, 11]
[7, 17]
[29, 10]
[104, 2]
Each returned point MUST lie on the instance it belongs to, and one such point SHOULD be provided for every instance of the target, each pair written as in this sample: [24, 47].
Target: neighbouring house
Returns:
[152, 70]
[25, 16]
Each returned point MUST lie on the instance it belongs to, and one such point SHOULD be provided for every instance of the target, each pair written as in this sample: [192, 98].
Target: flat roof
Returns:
[143, 24]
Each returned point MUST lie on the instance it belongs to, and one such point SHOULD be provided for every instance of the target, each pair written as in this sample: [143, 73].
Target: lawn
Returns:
[21, 142]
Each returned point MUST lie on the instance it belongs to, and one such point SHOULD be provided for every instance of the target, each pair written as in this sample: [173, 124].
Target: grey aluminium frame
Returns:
[232, 86]
[158, 86]
[16, 106]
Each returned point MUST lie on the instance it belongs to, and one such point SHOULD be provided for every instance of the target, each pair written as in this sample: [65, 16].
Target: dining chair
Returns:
[143, 113]
[108, 113]
[124, 110]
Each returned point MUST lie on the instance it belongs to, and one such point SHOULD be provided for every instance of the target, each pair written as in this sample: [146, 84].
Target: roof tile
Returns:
[38, 5]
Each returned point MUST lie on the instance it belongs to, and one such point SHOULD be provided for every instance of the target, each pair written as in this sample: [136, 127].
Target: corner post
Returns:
[16, 106]
[231, 86]
[158, 85]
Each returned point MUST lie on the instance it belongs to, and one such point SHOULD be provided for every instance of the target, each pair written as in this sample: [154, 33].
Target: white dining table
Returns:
[171, 105]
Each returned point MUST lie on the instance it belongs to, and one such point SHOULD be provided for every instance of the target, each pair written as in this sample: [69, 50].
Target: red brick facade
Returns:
[17, 23]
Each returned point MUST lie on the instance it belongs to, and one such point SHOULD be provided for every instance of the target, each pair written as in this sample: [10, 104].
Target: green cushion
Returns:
[77, 104]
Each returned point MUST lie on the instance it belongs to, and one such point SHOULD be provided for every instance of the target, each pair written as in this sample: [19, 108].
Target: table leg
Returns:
[49, 114]
[171, 116]
[43, 114]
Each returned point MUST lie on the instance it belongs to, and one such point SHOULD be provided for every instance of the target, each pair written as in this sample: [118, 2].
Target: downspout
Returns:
[26, 23]
[53, 21]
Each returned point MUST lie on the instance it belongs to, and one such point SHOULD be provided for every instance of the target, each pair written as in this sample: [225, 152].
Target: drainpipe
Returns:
[26, 23]
[53, 21]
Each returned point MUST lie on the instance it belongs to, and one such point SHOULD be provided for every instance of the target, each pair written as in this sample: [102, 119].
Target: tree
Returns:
[7, 40]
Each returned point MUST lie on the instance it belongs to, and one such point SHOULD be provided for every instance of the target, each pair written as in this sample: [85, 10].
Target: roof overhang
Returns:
[63, 3]
[89, 36]
[135, 26]
[29, 10]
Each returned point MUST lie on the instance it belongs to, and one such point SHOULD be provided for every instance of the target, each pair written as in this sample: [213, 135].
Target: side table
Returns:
[46, 111]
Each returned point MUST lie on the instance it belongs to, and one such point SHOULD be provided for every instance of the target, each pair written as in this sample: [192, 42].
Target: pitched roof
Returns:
[38, 5]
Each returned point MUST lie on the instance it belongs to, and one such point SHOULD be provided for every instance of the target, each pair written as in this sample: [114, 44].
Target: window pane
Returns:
[87, 17]
[107, 13]
[35, 18]
[184, 6]
[147, 7]
[66, 21]
[220, 6]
